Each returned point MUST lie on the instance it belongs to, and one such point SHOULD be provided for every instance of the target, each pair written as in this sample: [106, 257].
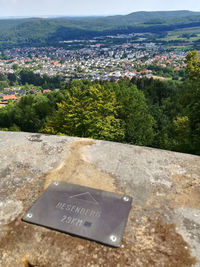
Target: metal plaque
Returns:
[86, 212]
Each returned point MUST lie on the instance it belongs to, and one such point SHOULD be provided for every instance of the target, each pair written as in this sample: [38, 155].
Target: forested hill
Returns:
[40, 31]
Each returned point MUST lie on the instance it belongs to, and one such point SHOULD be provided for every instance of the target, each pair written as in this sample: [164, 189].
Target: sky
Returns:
[90, 7]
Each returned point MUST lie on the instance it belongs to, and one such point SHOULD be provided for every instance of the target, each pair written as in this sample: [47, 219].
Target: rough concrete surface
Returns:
[163, 229]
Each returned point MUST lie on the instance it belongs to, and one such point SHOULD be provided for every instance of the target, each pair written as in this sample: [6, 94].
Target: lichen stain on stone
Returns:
[9, 211]
[77, 169]
[184, 192]
[35, 138]
[187, 192]
[153, 244]
[147, 242]
[158, 244]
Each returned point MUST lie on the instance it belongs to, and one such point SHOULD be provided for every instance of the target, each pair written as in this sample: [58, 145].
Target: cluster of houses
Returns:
[16, 93]
[11, 94]
[94, 61]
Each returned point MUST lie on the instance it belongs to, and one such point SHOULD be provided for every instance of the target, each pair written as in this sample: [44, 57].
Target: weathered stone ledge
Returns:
[164, 223]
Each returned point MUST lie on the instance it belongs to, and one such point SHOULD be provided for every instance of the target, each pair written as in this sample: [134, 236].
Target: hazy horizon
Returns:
[79, 15]
[77, 8]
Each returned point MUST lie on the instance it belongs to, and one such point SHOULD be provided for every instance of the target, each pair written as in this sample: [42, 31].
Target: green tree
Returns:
[7, 116]
[42, 106]
[2, 77]
[15, 66]
[88, 111]
[189, 99]
[12, 78]
[4, 84]
[183, 133]
[134, 113]
[193, 65]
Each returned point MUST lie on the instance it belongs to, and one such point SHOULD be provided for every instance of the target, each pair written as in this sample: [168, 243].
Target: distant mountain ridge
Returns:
[168, 14]
[49, 31]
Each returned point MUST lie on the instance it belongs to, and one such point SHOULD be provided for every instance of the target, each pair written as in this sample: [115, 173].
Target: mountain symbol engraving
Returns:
[85, 197]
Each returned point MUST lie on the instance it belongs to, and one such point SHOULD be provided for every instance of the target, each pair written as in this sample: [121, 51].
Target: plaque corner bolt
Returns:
[125, 198]
[113, 238]
[29, 215]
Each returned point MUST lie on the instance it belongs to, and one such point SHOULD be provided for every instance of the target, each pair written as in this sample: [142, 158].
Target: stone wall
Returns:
[164, 223]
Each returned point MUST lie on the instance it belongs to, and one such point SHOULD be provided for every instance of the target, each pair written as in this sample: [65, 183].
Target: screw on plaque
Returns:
[126, 198]
[56, 183]
[113, 238]
[29, 215]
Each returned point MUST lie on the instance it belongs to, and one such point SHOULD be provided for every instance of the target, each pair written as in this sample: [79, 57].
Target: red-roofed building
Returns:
[8, 97]
[46, 91]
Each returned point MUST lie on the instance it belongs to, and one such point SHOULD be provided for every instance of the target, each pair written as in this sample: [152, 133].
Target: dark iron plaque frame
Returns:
[86, 212]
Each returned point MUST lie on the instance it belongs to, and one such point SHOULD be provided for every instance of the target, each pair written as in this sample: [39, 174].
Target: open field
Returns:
[185, 35]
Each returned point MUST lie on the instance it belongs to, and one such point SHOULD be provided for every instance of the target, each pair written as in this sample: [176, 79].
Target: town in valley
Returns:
[110, 58]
